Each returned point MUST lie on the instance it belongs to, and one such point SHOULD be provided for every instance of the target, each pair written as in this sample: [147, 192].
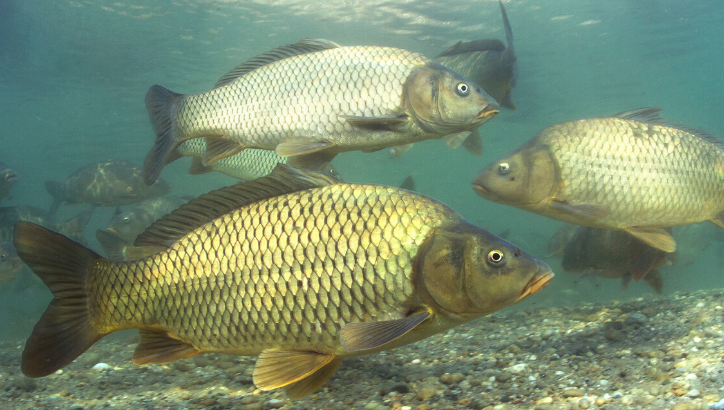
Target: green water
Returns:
[73, 75]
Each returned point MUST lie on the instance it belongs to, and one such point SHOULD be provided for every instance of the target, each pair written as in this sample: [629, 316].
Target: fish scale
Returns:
[236, 302]
[651, 177]
[250, 112]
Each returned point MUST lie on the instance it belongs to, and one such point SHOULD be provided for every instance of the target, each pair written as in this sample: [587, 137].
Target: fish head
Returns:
[524, 179]
[159, 188]
[442, 101]
[125, 224]
[469, 272]
[10, 262]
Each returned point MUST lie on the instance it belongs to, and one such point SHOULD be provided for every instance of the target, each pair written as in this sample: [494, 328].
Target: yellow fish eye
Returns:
[462, 89]
[503, 168]
[496, 257]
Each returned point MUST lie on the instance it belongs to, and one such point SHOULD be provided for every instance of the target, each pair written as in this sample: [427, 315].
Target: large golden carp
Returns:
[314, 99]
[296, 267]
[634, 172]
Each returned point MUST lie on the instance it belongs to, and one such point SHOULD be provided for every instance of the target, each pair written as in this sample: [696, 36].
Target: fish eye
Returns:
[462, 89]
[496, 257]
[503, 168]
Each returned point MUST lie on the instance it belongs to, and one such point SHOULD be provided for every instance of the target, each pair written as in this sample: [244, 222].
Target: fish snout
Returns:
[537, 282]
[10, 176]
[490, 111]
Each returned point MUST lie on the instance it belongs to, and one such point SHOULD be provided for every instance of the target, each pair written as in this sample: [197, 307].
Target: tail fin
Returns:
[159, 103]
[55, 189]
[64, 331]
[73, 228]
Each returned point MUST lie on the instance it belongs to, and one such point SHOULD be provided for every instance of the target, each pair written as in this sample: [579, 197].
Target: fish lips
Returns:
[481, 190]
[10, 176]
[538, 282]
[487, 113]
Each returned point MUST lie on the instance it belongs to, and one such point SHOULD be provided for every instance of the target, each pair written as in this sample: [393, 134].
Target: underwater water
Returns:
[73, 76]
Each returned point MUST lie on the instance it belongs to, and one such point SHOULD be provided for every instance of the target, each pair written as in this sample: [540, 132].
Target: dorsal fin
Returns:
[283, 180]
[650, 115]
[302, 47]
[472, 46]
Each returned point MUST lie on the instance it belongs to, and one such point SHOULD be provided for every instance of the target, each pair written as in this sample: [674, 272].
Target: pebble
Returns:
[276, 404]
[426, 392]
[613, 335]
[102, 367]
[504, 376]
[573, 393]
[693, 393]
[520, 369]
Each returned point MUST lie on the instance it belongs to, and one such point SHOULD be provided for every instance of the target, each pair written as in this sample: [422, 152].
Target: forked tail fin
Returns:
[64, 331]
[159, 103]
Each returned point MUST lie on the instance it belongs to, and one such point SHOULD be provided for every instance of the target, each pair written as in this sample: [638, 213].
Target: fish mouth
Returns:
[481, 190]
[539, 281]
[18, 265]
[487, 113]
[11, 176]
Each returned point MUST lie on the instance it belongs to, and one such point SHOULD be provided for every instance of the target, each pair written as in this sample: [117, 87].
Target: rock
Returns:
[573, 393]
[520, 369]
[613, 335]
[401, 388]
[101, 367]
[693, 393]
[276, 404]
[426, 393]
[635, 319]
[686, 406]
[202, 361]
[504, 376]
[25, 384]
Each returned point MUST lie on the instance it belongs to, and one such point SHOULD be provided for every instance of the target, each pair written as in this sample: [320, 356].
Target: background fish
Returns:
[8, 177]
[489, 63]
[634, 172]
[247, 165]
[72, 228]
[613, 254]
[10, 263]
[314, 99]
[110, 183]
[125, 226]
[297, 268]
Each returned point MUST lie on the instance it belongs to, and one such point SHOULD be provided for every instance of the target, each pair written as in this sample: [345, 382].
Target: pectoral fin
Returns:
[455, 140]
[377, 123]
[718, 220]
[587, 211]
[314, 156]
[655, 237]
[308, 385]
[474, 143]
[369, 335]
[279, 368]
[219, 148]
[395, 152]
[159, 347]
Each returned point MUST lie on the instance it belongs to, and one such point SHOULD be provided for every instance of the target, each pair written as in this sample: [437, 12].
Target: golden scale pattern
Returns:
[669, 175]
[280, 101]
[287, 271]
[247, 165]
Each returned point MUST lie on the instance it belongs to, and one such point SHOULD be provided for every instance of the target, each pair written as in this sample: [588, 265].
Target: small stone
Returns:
[635, 319]
[584, 404]
[446, 378]
[613, 335]
[545, 400]
[600, 401]
[573, 393]
[182, 366]
[101, 367]
[693, 393]
[457, 377]
[426, 393]
[202, 361]
[520, 369]
[401, 388]
[248, 400]
[276, 404]
[504, 376]
[685, 406]
[25, 384]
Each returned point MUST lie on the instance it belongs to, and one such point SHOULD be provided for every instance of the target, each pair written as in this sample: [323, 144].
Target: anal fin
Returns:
[718, 220]
[280, 368]
[308, 385]
[197, 167]
[318, 161]
[357, 336]
[219, 148]
[655, 237]
[159, 347]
